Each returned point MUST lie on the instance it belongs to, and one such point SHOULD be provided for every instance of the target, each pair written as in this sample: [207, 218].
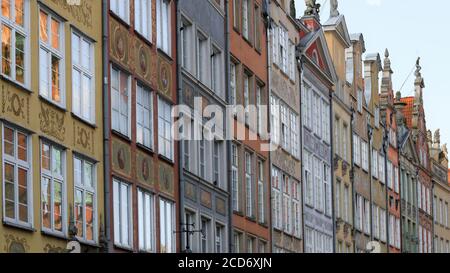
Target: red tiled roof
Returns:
[408, 109]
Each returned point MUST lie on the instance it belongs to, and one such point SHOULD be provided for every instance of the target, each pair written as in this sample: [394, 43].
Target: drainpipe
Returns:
[370, 137]
[386, 148]
[301, 62]
[180, 143]
[433, 223]
[269, 88]
[106, 125]
[352, 180]
[333, 213]
[229, 99]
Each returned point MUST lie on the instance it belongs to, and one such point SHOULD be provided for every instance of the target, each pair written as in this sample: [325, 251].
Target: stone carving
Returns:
[190, 191]
[52, 122]
[418, 68]
[121, 157]
[205, 198]
[437, 138]
[164, 77]
[81, 10]
[53, 249]
[220, 206]
[334, 8]
[312, 8]
[83, 137]
[15, 244]
[13, 103]
[145, 170]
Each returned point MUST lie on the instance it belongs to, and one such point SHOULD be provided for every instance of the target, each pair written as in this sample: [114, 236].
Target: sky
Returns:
[409, 29]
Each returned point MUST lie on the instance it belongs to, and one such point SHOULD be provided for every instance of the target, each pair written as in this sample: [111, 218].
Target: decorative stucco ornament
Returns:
[418, 68]
[334, 8]
[312, 8]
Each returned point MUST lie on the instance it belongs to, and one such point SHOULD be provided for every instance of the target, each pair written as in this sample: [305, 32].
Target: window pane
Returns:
[43, 26]
[77, 171]
[57, 205]
[20, 58]
[9, 191]
[9, 141]
[75, 48]
[90, 216]
[124, 214]
[6, 50]
[43, 75]
[6, 8]
[141, 220]
[46, 199]
[79, 212]
[55, 34]
[116, 203]
[88, 181]
[57, 161]
[23, 195]
[56, 96]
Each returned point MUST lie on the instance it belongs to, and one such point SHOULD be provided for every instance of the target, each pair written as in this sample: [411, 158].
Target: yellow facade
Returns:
[24, 108]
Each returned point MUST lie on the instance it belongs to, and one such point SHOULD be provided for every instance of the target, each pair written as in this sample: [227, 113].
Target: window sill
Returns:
[165, 54]
[19, 226]
[143, 38]
[251, 219]
[59, 235]
[18, 85]
[62, 108]
[120, 135]
[87, 243]
[145, 148]
[238, 213]
[125, 248]
[166, 159]
[84, 121]
[118, 18]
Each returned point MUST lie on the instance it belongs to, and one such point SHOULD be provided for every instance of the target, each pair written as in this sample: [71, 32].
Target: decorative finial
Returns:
[334, 8]
[312, 8]
[418, 68]
[430, 136]
[398, 96]
[386, 53]
[437, 137]
[444, 149]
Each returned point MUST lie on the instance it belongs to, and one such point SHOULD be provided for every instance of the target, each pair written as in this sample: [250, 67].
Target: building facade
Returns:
[408, 162]
[142, 158]
[415, 119]
[441, 193]
[204, 183]
[387, 113]
[249, 168]
[285, 128]
[52, 124]
[318, 77]
[338, 40]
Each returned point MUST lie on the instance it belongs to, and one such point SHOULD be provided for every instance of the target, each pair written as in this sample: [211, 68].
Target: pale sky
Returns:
[408, 28]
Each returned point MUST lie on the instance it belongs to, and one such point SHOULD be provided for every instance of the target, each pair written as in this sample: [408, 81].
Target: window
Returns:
[121, 8]
[85, 199]
[283, 49]
[17, 183]
[143, 18]
[261, 201]
[377, 117]
[165, 142]
[202, 54]
[216, 70]
[83, 91]
[381, 168]
[325, 121]
[53, 188]
[347, 204]
[309, 200]
[389, 175]
[275, 43]
[307, 108]
[446, 214]
[364, 155]
[247, 98]
[237, 240]
[396, 180]
[258, 111]
[233, 83]
[338, 199]
[317, 118]
[276, 198]
[206, 235]
[246, 9]
[248, 185]
[236, 15]
[123, 223]
[367, 217]
[360, 100]
[120, 101]
[202, 157]
[374, 163]
[296, 209]
[250, 244]
[356, 150]
[217, 155]
[295, 147]
[163, 22]
[235, 176]
[275, 119]
[167, 226]
[186, 41]
[327, 189]
[349, 69]
[285, 134]
[219, 242]
[15, 41]
[146, 221]
[262, 247]
[287, 210]
[257, 26]
[345, 142]
[144, 116]
[292, 61]
[51, 58]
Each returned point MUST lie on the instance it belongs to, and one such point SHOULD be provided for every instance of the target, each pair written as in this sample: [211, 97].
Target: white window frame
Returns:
[163, 25]
[23, 31]
[53, 178]
[123, 12]
[235, 176]
[144, 106]
[146, 220]
[143, 18]
[86, 189]
[17, 163]
[167, 237]
[164, 121]
[78, 94]
[249, 185]
[49, 53]
[119, 112]
[118, 230]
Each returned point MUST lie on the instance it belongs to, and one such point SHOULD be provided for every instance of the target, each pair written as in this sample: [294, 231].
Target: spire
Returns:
[387, 62]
